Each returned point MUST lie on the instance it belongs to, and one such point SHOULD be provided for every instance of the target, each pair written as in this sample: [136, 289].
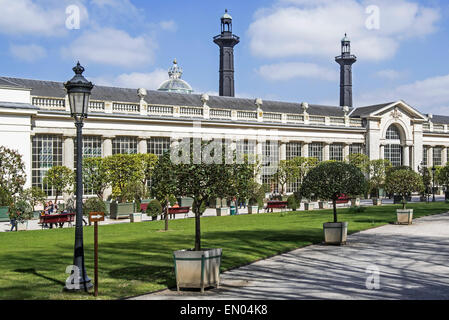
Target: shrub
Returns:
[292, 204]
[154, 208]
[21, 211]
[94, 205]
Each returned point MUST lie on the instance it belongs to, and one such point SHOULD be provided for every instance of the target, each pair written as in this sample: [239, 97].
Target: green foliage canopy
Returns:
[329, 180]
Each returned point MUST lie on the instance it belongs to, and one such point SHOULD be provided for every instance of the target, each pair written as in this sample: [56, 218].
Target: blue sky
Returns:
[286, 53]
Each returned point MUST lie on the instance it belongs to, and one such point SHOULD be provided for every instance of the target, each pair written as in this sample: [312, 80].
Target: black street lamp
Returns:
[78, 90]
[433, 182]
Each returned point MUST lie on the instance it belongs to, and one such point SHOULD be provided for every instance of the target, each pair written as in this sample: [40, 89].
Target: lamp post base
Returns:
[81, 287]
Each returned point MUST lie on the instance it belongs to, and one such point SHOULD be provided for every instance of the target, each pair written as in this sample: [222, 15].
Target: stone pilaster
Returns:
[326, 150]
[142, 145]
[69, 152]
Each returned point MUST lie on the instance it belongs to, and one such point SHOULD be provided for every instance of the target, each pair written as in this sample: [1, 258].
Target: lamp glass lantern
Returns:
[79, 91]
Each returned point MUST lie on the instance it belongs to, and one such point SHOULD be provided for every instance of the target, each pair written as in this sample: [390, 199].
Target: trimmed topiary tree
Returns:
[329, 180]
[404, 182]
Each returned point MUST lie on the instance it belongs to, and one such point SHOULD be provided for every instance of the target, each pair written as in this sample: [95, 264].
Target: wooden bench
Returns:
[180, 210]
[275, 205]
[342, 199]
[60, 219]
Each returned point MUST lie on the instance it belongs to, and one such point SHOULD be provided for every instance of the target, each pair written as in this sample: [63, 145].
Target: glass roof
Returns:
[175, 83]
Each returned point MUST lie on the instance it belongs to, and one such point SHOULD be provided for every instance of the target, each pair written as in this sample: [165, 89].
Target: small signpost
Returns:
[96, 217]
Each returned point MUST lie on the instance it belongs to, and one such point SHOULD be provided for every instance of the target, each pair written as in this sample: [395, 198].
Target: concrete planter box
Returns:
[253, 209]
[377, 201]
[197, 269]
[404, 216]
[335, 233]
[4, 216]
[185, 202]
[21, 226]
[355, 202]
[222, 211]
[323, 204]
[121, 210]
[309, 206]
[135, 217]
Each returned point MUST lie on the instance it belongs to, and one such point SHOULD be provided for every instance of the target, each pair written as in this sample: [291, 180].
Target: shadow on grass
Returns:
[158, 274]
[37, 274]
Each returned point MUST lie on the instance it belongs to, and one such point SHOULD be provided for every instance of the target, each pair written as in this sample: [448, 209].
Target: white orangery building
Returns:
[35, 120]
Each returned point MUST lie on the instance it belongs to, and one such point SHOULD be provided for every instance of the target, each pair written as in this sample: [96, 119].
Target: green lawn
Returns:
[138, 258]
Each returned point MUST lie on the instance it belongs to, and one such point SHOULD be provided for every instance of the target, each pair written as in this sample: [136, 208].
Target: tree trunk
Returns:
[404, 199]
[197, 229]
[334, 204]
[166, 214]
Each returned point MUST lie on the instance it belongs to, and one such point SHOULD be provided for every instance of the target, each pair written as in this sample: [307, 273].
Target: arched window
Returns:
[393, 133]
[394, 150]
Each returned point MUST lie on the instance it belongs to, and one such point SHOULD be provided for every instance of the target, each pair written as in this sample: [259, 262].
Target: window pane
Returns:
[46, 153]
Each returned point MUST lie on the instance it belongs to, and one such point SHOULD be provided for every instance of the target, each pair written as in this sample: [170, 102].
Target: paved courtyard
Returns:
[413, 263]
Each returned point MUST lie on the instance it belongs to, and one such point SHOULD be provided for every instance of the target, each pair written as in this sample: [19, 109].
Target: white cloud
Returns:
[314, 28]
[291, 70]
[28, 53]
[27, 17]
[390, 74]
[112, 47]
[169, 25]
[428, 95]
[150, 81]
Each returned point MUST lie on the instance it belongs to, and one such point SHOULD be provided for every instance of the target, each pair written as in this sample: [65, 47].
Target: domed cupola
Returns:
[175, 83]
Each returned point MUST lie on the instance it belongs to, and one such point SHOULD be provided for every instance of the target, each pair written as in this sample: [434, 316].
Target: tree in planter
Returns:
[378, 174]
[199, 181]
[61, 179]
[443, 177]
[301, 167]
[284, 174]
[123, 171]
[242, 178]
[95, 176]
[329, 180]
[404, 182]
[426, 178]
[164, 183]
[147, 162]
[256, 194]
[154, 209]
[12, 175]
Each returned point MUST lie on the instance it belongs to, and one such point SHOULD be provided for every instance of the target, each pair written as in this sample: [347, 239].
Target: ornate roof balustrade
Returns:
[108, 107]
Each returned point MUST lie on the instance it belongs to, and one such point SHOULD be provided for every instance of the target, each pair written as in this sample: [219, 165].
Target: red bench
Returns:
[342, 199]
[275, 205]
[60, 219]
[180, 210]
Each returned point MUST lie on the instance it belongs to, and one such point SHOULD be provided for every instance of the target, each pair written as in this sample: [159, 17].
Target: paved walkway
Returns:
[413, 263]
